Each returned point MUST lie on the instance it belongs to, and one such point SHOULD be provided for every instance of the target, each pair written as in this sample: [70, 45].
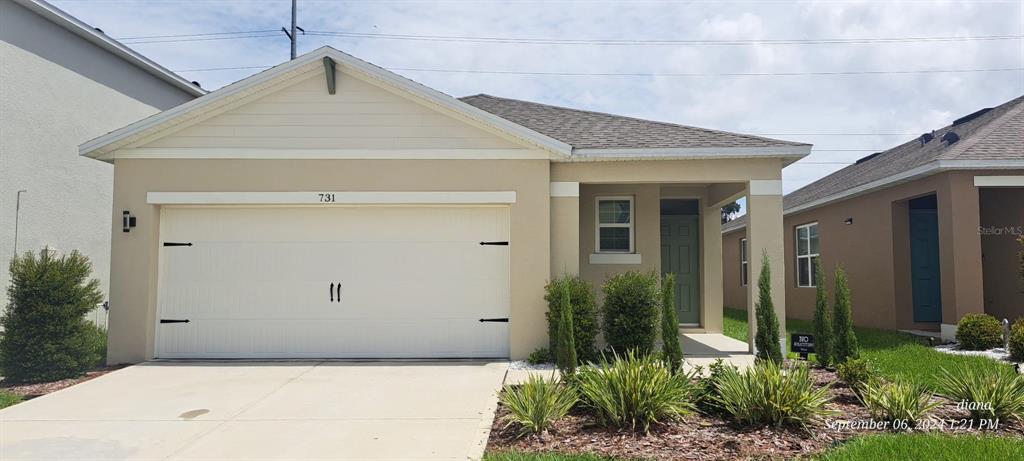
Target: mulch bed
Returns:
[31, 391]
[701, 437]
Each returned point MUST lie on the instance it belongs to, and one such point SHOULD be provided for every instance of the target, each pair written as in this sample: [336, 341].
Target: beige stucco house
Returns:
[62, 83]
[329, 208]
[927, 231]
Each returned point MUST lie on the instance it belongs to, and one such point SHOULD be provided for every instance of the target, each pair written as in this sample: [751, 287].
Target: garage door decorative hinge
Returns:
[173, 320]
[502, 320]
[495, 243]
[177, 244]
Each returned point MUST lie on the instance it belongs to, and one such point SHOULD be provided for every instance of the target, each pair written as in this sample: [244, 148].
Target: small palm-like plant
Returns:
[767, 394]
[997, 394]
[537, 403]
[636, 390]
[900, 400]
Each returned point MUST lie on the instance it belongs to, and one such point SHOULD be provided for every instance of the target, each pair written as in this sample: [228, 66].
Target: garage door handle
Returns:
[332, 292]
[173, 320]
[504, 244]
[502, 320]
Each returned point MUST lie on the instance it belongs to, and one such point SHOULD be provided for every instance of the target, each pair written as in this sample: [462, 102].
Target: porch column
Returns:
[565, 228]
[765, 236]
[712, 296]
[959, 251]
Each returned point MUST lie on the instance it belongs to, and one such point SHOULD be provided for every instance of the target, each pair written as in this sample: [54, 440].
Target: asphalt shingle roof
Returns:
[997, 134]
[595, 130]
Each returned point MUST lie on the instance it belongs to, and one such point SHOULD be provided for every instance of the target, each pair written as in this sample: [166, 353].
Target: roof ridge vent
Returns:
[950, 138]
[869, 157]
[971, 116]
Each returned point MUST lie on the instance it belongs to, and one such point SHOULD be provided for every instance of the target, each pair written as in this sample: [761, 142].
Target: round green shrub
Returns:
[979, 332]
[46, 335]
[539, 356]
[1017, 340]
[631, 311]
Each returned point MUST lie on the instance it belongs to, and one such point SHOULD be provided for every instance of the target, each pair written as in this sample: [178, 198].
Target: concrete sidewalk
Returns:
[265, 410]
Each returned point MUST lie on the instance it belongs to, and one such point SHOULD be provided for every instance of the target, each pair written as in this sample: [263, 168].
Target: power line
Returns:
[694, 42]
[835, 134]
[599, 42]
[688, 74]
[205, 34]
[651, 74]
[202, 39]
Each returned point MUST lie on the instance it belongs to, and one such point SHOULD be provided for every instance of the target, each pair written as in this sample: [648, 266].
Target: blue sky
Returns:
[845, 116]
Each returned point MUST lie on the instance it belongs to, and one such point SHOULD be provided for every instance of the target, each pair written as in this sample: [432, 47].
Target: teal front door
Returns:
[926, 282]
[680, 251]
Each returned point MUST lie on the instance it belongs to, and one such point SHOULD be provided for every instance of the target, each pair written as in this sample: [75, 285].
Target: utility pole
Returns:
[291, 33]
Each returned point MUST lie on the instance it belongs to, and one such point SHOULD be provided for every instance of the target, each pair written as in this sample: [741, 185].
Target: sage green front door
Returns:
[680, 250]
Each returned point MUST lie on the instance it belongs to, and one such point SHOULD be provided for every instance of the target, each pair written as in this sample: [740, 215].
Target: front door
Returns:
[680, 250]
[924, 262]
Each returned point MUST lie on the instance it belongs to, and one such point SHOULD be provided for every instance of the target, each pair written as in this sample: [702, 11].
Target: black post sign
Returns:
[802, 343]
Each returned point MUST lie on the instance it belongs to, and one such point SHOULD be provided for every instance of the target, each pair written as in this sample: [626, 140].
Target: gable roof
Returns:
[597, 133]
[985, 139]
[991, 138]
[98, 38]
[182, 115]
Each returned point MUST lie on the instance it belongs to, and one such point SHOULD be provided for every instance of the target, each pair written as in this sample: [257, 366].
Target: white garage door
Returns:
[346, 282]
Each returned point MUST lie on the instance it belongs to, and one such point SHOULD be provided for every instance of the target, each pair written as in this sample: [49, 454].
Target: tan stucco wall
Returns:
[875, 253]
[134, 255]
[565, 232]
[733, 291]
[1002, 220]
[646, 200]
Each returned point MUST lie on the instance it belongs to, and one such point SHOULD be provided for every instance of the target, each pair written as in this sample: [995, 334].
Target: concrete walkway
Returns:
[269, 410]
[703, 349]
[699, 350]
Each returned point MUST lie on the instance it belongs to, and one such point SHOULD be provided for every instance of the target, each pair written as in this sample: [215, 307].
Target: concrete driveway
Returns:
[269, 410]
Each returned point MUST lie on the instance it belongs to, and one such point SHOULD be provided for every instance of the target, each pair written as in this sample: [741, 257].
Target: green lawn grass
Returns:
[931, 447]
[7, 399]
[892, 353]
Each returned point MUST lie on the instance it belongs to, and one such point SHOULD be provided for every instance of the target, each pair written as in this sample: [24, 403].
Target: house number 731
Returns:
[326, 198]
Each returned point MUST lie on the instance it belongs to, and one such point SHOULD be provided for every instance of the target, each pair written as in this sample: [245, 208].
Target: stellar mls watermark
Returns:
[1001, 230]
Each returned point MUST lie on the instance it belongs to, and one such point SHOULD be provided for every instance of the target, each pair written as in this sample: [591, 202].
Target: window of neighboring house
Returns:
[744, 263]
[615, 224]
[806, 254]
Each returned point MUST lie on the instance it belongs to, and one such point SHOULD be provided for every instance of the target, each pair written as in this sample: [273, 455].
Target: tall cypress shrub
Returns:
[767, 338]
[670, 324]
[846, 340]
[823, 338]
[565, 356]
[584, 313]
[46, 336]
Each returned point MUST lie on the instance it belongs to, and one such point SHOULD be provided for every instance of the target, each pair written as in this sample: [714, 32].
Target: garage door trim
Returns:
[332, 198]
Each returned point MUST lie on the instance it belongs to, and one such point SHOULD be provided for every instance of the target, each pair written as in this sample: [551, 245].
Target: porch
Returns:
[659, 217]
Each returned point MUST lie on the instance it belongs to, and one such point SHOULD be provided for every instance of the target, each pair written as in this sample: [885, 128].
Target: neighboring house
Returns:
[62, 83]
[329, 208]
[925, 230]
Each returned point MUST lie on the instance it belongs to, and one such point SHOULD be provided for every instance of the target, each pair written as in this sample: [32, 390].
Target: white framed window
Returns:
[744, 263]
[807, 253]
[614, 218]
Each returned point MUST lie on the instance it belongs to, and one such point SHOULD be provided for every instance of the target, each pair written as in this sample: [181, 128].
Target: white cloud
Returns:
[904, 104]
